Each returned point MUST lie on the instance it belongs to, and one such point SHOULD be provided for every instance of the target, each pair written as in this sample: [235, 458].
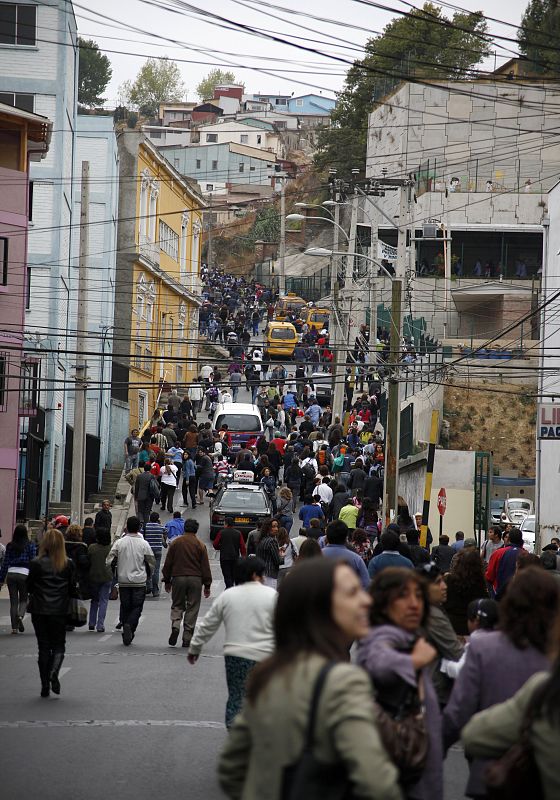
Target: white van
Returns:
[243, 420]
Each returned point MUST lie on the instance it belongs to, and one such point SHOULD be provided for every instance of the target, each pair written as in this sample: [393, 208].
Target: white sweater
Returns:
[132, 552]
[247, 612]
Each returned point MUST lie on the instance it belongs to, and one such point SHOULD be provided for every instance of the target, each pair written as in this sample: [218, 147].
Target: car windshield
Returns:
[496, 505]
[529, 525]
[246, 423]
[519, 505]
[319, 316]
[239, 501]
[282, 333]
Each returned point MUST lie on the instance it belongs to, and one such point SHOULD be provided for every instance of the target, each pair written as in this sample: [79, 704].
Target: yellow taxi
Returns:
[281, 339]
[317, 318]
[289, 304]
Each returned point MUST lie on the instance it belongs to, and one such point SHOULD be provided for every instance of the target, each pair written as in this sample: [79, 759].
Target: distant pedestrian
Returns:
[247, 612]
[231, 544]
[104, 518]
[185, 572]
[51, 583]
[100, 579]
[146, 491]
[14, 571]
[132, 447]
[135, 561]
[168, 485]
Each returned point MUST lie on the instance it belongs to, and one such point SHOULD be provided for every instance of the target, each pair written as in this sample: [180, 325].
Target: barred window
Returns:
[168, 241]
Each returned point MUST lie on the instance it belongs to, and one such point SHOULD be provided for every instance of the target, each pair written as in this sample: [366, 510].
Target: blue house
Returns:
[314, 104]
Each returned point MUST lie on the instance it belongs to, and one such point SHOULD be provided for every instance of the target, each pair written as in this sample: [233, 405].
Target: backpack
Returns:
[321, 458]
[154, 490]
[308, 471]
[338, 463]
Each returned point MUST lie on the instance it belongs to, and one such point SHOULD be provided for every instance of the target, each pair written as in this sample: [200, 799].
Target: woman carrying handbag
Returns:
[307, 730]
[51, 584]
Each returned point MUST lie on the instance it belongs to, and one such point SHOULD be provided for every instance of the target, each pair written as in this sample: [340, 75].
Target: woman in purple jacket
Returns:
[498, 664]
[398, 660]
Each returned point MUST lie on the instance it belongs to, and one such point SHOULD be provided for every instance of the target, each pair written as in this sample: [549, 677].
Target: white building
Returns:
[239, 132]
[548, 410]
[38, 72]
[97, 144]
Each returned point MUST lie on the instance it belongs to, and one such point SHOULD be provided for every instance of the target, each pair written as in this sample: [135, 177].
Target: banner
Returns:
[386, 252]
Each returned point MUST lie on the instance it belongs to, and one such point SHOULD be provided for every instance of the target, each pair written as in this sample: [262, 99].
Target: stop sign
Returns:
[441, 501]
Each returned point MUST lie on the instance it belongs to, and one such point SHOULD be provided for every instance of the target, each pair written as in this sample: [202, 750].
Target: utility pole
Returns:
[209, 255]
[392, 434]
[282, 247]
[80, 388]
[373, 289]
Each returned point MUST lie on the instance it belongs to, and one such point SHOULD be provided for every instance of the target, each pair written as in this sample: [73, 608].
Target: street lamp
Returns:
[313, 205]
[324, 251]
[303, 217]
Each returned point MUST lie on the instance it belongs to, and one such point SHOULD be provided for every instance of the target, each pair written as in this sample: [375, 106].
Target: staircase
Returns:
[109, 487]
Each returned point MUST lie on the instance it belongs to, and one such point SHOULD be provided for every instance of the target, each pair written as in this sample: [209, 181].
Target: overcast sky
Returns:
[263, 65]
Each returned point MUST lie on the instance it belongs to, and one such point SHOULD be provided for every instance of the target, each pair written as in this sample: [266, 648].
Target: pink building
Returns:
[24, 137]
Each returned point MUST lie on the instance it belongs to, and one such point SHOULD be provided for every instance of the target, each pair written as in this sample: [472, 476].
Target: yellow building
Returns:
[158, 279]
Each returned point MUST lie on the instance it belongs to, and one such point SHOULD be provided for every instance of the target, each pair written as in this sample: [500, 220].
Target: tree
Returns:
[425, 44]
[539, 36]
[94, 73]
[216, 77]
[158, 81]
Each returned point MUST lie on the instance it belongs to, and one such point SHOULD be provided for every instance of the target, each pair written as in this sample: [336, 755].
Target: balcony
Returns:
[150, 252]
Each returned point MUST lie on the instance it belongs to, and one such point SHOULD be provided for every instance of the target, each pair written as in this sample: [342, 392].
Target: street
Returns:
[131, 721]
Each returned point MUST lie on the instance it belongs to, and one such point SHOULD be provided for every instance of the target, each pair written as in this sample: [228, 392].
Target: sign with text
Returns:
[442, 501]
[386, 252]
[548, 421]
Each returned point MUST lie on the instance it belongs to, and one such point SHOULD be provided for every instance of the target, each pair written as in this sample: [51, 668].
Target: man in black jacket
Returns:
[229, 541]
[104, 518]
[144, 495]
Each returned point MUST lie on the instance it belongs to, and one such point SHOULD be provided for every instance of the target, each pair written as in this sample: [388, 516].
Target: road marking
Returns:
[106, 637]
[63, 671]
[117, 652]
[114, 723]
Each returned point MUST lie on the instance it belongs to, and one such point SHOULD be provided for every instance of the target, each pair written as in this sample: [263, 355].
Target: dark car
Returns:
[246, 503]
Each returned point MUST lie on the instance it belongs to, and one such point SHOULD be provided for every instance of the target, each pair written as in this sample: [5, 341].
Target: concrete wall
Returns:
[454, 471]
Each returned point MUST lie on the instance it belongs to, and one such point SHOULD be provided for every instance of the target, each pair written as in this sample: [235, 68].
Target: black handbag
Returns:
[308, 778]
[77, 614]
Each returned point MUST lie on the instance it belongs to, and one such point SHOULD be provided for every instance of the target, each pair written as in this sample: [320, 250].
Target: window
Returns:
[138, 356]
[17, 24]
[214, 165]
[154, 192]
[25, 102]
[212, 137]
[29, 387]
[280, 101]
[184, 245]
[299, 102]
[168, 241]
[179, 376]
[148, 360]
[198, 163]
[182, 320]
[259, 138]
[176, 163]
[3, 261]
[241, 167]
[252, 169]
[30, 202]
[3, 381]
[209, 187]
[170, 350]
[28, 289]
[244, 138]
[142, 408]
[153, 134]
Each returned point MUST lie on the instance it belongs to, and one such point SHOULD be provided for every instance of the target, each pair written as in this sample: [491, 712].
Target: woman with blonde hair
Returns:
[51, 583]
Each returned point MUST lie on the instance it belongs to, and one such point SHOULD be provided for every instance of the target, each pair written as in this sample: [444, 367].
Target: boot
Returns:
[56, 663]
[44, 663]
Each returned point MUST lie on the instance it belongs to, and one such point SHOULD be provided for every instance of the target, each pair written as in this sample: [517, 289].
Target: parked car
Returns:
[528, 531]
[515, 510]
[496, 509]
[246, 503]
[323, 387]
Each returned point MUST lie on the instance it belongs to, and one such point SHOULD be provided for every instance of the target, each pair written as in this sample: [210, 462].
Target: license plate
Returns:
[242, 519]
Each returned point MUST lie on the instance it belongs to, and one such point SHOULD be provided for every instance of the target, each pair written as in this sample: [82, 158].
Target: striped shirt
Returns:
[154, 535]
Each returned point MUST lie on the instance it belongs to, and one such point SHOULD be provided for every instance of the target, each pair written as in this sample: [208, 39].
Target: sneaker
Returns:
[127, 635]
[21, 629]
[101, 630]
[174, 636]
[186, 644]
[91, 627]
[118, 626]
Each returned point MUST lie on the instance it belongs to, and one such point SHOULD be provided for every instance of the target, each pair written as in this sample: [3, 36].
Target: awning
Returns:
[472, 296]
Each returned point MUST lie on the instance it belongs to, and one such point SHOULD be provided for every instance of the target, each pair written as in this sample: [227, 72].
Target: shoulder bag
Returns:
[401, 722]
[308, 778]
[515, 776]
[77, 614]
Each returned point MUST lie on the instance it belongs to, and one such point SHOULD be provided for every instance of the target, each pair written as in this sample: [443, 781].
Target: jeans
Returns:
[188, 488]
[132, 603]
[152, 584]
[99, 599]
[167, 492]
[186, 591]
[144, 509]
[17, 588]
[227, 568]
[237, 672]
[130, 462]
[234, 393]
[255, 328]
[254, 393]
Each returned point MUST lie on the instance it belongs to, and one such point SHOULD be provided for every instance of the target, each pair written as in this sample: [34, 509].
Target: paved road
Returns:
[130, 723]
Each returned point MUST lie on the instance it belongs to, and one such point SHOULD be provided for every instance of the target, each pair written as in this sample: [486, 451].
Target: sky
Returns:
[138, 29]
